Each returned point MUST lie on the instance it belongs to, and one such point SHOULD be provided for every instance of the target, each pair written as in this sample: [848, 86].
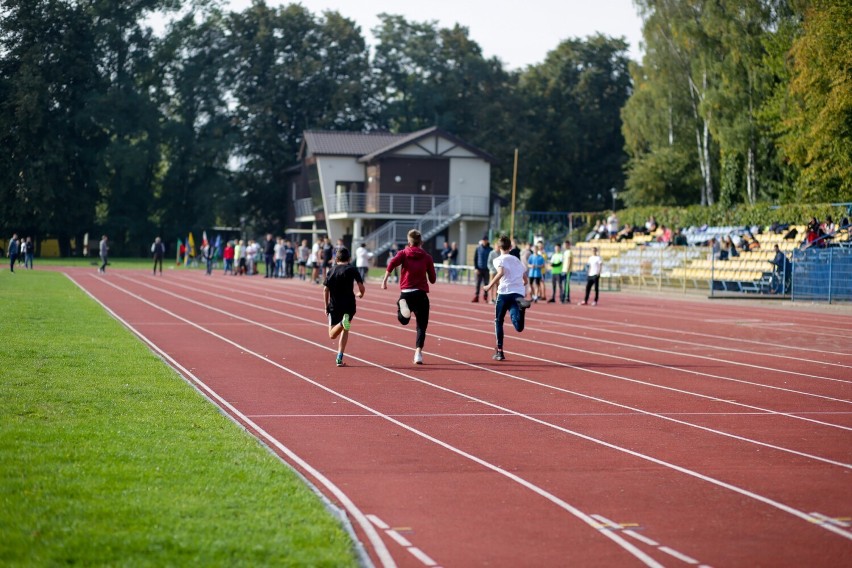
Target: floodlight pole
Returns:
[514, 190]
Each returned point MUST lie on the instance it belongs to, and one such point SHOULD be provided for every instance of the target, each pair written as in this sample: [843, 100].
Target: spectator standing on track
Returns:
[278, 258]
[516, 250]
[228, 257]
[492, 270]
[14, 249]
[158, 251]
[269, 256]
[557, 278]
[240, 256]
[362, 260]
[417, 272]
[593, 276]
[207, 257]
[567, 268]
[536, 263]
[511, 292]
[480, 264]
[445, 260]
[327, 256]
[304, 254]
[289, 252]
[393, 252]
[103, 252]
[339, 299]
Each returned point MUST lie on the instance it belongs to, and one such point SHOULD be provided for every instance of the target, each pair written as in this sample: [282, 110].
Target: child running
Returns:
[418, 271]
[510, 293]
[339, 299]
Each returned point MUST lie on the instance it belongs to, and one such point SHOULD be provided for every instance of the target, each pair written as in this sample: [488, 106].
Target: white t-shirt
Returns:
[595, 265]
[512, 281]
[567, 265]
[362, 257]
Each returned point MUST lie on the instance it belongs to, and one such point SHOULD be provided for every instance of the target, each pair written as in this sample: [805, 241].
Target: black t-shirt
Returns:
[340, 281]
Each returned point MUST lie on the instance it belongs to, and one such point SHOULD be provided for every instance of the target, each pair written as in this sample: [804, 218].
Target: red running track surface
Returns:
[642, 431]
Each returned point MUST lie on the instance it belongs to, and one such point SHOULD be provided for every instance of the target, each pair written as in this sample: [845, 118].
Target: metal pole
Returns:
[830, 258]
[514, 191]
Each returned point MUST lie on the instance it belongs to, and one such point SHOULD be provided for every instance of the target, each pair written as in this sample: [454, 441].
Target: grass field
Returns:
[107, 457]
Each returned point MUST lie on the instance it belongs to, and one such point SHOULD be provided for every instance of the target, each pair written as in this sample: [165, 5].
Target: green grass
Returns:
[94, 263]
[107, 457]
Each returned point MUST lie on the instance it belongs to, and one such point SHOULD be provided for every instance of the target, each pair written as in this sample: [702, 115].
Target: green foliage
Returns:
[114, 460]
[761, 214]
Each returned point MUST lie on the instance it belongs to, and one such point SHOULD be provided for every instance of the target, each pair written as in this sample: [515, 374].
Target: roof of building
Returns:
[369, 145]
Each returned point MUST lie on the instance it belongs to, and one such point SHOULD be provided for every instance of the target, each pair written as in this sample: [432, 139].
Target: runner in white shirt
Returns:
[593, 276]
[512, 277]
[567, 268]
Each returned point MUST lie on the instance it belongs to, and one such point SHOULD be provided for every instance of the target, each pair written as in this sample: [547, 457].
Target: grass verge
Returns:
[107, 457]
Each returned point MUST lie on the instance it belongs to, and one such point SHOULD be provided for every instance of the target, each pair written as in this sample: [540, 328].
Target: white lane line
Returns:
[642, 538]
[464, 307]
[597, 353]
[416, 552]
[621, 542]
[679, 555]
[401, 540]
[663, 416]
[378, 522]
[375, 540]
[422, 556]
[832, 520]
[609, 524]
[760, 498]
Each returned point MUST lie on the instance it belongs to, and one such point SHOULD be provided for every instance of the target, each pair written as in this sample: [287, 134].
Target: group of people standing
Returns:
[20, 251]
[537, 263]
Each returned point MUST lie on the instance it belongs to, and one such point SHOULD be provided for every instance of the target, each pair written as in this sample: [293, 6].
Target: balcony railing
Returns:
[383, 204]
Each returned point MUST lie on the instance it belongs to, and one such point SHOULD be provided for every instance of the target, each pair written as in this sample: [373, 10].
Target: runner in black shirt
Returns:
[339, 298]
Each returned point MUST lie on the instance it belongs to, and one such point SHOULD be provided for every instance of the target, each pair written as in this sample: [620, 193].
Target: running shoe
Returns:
[418, 357]
[346, 322]
[498, 355]
[594, 303]
[523, 303]
[339, 359]
[403, 309]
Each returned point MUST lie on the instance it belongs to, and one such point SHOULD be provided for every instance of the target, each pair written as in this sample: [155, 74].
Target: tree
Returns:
[816, 124]
[291, 72]
[572, 124]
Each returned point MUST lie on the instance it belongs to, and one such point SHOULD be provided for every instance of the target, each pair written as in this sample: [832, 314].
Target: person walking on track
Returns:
[511, 290]
[339, 299]
[417, 272]
[593, 276]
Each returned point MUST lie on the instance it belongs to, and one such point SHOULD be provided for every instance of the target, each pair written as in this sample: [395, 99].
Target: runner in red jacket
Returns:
[417, 272]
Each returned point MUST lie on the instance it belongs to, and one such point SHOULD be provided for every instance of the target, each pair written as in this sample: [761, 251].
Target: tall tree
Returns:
[292, 71]
[572, 124]
[194, 188]
[817, 121]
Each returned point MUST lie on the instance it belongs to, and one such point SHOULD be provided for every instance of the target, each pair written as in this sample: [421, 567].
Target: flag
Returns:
[190, 249]
[177, 251]
[217, 247]
[204, 241]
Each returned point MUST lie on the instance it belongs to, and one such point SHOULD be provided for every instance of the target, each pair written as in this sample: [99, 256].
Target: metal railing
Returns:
[383, 203]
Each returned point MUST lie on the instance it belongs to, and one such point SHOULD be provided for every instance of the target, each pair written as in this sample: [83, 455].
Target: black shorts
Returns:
[336, 316]
[535, 279]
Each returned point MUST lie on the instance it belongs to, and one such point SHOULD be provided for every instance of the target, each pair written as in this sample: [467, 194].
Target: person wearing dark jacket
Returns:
[480, 264]
[269, 256]
[14, 249]
[417, 272]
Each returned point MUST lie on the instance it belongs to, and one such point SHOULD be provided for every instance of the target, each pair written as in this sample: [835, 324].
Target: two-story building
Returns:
[374, 187]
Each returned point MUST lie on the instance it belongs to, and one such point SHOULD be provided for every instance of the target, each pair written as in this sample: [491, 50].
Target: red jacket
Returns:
[417, 266]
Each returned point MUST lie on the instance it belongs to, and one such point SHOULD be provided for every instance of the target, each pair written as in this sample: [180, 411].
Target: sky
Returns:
[519, 33]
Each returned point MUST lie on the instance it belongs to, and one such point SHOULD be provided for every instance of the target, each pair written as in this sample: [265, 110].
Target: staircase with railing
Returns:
[430, 224]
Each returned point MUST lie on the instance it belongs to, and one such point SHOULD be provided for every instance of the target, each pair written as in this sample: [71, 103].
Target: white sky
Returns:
[519, 33]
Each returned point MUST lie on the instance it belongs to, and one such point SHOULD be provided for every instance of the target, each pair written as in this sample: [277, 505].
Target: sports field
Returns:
[647, 430]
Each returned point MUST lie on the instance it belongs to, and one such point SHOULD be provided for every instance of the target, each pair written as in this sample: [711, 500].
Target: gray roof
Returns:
[369, 145]
[338, 143]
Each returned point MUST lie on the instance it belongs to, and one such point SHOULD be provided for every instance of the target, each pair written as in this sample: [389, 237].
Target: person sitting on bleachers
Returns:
[680, 239]
[665, 235]
[625, 233]
[813, 234]
[725, 248]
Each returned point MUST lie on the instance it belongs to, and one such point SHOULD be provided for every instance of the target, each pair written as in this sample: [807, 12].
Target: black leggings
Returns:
[418, 303]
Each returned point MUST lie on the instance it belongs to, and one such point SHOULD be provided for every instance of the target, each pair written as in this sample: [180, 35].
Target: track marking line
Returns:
[574, 511]
[378, 545]
[554, 499]
[581, 369]
[612, 525]
[836, 521]
[402, 541]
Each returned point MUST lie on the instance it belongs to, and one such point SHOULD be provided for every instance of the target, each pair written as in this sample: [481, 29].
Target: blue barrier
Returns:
[822, 274]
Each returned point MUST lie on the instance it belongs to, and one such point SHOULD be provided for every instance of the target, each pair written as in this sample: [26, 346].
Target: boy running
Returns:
[339, 299]
[510, 293]
[418, 271]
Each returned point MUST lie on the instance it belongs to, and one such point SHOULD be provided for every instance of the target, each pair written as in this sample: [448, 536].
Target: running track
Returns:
[642, 431]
